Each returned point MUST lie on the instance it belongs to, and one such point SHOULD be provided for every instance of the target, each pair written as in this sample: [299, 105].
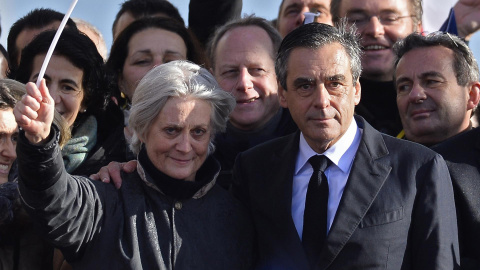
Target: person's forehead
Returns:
[309, 3]
[426, 59]
[244, 39]
[28, 34]
[7, 121]
[327, 60]
[374, 6]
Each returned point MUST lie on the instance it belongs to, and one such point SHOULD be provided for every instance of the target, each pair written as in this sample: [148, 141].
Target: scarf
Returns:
[77, 148]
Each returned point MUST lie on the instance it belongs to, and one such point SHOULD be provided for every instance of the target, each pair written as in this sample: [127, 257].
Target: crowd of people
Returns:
[242, 143]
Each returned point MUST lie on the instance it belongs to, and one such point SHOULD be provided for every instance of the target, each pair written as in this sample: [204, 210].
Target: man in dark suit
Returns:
[390, 202]
[437, 82]
[462, 154]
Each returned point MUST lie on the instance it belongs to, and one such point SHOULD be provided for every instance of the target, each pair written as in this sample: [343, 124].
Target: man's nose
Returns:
[374, 27]
[321, 97]
[417, 94]
[301, 16]
[244, 80]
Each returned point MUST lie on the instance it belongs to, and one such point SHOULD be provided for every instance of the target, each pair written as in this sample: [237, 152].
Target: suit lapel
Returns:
[280, 181]
[364, 182]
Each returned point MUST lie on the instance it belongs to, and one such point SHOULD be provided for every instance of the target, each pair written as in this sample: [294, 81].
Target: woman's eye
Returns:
[141, 62]
[198, 132]
[170, 130]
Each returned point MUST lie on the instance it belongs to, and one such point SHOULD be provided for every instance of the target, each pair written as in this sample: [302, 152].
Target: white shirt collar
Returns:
[334, 153]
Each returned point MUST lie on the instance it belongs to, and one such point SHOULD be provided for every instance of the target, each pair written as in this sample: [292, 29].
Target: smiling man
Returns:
[380, 23]
[242, 54]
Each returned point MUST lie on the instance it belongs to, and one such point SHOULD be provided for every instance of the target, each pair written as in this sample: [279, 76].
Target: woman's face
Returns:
[177, 142]
[146, 49]
[64, 82]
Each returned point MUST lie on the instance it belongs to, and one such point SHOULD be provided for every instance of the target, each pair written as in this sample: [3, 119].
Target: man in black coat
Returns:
[390, 202]
[462, 154]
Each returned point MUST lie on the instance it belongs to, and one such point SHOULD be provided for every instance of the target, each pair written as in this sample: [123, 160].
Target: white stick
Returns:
[54, 42]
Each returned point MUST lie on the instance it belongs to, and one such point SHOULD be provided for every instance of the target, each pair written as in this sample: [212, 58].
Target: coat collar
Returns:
[364, 182]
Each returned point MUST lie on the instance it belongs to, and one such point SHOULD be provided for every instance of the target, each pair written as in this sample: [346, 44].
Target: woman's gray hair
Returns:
[177, 79]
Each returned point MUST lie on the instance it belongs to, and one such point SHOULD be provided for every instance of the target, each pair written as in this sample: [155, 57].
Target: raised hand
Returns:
[34, 112]
[467, 15]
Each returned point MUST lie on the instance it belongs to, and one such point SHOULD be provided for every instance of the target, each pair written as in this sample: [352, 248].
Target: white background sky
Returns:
[101, 13]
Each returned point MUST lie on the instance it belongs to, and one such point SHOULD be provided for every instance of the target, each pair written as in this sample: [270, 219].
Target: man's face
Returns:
[8, 142]
[378, 37]
[320, 94]
[245, 68]
[28, 34]
[432, 106]
[291, 14]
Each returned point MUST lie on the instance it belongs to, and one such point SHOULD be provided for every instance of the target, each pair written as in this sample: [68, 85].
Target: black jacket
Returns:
[462, 154]
[397, 209]
[137, 227]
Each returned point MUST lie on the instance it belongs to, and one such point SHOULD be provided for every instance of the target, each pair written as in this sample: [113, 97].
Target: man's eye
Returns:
[403, 88]
[257, 71]
[334, 85]
[432, 83]
[357, 19]
[230, 73]
[15, 138]
[292, 11]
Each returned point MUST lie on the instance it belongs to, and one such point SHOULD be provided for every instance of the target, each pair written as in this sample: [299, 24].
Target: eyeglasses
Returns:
[389, 19]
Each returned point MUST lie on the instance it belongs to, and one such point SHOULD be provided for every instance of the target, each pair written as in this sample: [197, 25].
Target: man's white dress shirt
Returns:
[342, 154]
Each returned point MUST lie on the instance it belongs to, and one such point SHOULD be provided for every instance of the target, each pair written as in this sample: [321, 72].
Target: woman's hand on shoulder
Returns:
[34, 112]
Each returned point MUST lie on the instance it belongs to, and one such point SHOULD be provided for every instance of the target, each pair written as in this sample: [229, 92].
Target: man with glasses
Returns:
[380, 24]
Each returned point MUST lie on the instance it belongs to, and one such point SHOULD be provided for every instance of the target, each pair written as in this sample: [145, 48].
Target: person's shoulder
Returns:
[460, 144]
[271, 146]
[407, 148]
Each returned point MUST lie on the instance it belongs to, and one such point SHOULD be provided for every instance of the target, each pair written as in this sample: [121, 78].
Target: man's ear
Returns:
[358, 92]
[473, 95]
[281, 95]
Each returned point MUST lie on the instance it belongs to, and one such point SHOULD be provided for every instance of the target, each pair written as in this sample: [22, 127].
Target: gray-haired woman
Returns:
[167, 215]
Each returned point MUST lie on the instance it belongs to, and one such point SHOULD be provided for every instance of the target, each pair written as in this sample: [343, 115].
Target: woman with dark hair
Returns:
[146, 43]
[78, 82]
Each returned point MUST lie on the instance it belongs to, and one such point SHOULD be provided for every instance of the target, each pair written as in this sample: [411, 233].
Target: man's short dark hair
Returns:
[35, 19]
[415, 6]
[317, 35]
[247, 21]
[146, 8]
[464, 64]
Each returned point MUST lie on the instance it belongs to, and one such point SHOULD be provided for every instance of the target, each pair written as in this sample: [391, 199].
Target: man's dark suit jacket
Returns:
[397, 210]
[462, 154]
